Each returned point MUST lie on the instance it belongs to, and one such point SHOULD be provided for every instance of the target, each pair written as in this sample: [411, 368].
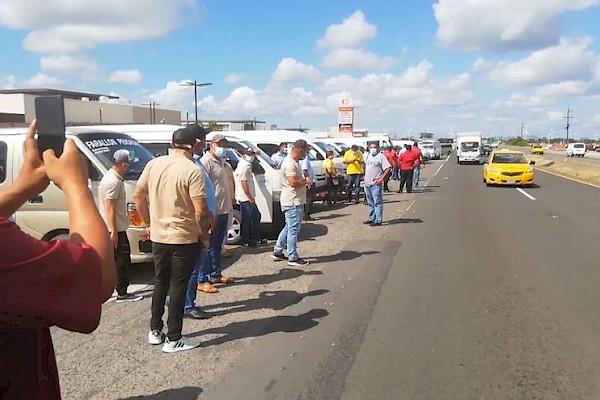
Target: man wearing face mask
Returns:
[280, 155]
[245, 193]
[214, 162]
[377, 168]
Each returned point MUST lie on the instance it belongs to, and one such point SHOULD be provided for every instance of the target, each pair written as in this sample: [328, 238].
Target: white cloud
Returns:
[42, 80]
[567, 61]
[64, 26]
[69, 64]
[291, 70]
[234, 78]
[174, 96]
[129, 76]
[8, 82]
[356, 59]
[502, 25]
[354, 31]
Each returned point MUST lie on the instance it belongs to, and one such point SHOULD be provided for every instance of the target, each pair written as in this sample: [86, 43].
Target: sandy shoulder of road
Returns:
[578, 169]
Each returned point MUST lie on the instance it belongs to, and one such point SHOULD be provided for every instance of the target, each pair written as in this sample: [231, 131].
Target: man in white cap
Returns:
[112, 204]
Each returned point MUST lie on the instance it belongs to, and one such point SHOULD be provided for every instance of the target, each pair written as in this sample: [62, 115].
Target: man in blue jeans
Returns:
[293, 198]
[245, 194]
[213, 161]
[377, 168]
[190, 309]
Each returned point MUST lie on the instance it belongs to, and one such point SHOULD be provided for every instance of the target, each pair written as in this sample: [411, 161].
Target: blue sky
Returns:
[448, 65]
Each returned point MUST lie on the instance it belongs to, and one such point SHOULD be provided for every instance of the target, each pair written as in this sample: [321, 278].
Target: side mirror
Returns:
[531, 162]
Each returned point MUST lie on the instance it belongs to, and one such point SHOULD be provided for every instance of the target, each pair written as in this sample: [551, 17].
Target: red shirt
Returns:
[391, 156]
[407, 160]
[42, 284]
[418, 155]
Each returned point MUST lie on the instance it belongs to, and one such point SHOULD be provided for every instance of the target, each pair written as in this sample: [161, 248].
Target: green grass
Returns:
[518, 142]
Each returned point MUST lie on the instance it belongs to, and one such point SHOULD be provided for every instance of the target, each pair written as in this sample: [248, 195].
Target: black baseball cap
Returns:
[189, 135]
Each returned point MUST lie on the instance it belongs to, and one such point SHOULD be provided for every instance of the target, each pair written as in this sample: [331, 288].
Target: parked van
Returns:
[431, 149]
[45, 216]
[269, 141]
[576, 149]
[365, 141]
[267, 179]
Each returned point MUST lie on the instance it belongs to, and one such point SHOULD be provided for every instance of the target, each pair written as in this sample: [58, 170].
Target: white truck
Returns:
[468, 147]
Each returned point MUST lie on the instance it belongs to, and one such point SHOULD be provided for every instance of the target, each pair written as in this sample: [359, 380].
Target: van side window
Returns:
[268, 148]
[3, 161]
[94, 174]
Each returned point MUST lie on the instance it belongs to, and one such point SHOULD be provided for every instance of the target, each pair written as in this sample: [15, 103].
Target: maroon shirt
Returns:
[406, 160]
[42, 284]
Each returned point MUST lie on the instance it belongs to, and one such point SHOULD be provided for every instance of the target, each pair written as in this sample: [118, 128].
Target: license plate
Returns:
[511, 182]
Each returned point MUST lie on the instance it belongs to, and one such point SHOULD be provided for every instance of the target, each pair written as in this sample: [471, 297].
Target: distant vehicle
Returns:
[508, 167]
[576, 149]
[447, 145]
[537, 149]
[468, 147]
[486, 149]
[431, 149]
[495, 143]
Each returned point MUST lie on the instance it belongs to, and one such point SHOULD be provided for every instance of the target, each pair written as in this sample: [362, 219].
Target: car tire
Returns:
[234, 235]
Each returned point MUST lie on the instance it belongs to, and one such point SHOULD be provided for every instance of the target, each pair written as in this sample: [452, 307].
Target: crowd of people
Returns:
[185, 200]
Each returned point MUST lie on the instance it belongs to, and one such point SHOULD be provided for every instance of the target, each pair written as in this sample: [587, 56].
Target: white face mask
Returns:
[220, 152]
[373, 151]
[250, 159]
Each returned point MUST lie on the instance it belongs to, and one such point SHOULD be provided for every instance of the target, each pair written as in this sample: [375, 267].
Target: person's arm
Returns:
[69, 173]
[111, 220]
[31, 181]
[201, 211]
[140, 198]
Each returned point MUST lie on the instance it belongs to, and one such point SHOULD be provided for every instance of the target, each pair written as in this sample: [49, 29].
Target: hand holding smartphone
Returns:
[50, 116]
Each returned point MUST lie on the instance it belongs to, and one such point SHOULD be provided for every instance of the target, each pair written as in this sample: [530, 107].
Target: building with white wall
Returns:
[17, 109]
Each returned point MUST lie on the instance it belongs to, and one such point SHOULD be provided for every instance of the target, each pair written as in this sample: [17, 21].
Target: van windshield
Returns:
[469, 146]
[104, 145]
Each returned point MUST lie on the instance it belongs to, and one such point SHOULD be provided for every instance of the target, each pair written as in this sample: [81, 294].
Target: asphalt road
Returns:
[467, 292]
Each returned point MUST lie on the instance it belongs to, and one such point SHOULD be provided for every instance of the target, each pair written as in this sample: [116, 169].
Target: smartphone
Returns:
[50, 116]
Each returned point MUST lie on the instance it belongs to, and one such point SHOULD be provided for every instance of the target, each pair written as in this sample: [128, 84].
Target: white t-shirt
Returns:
[112, 187]
[243, 172]
[292, 196]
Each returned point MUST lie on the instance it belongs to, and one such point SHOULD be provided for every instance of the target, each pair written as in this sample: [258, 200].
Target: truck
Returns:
[468, 147]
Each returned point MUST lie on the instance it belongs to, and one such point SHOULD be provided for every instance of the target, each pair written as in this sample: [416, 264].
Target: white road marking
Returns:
[447, 158]
[438, 170]
[524, 193]
[410, 205]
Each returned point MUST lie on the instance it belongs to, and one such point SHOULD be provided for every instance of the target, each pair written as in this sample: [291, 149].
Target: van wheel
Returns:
[234, 235]
[57, 235]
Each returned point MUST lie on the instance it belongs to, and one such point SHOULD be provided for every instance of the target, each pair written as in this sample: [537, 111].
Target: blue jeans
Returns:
[354, 186]
[395, 175]
[250, 225]
[288, 237]
[416, 174]
[375, 202]
[190, 293]
[211, 268]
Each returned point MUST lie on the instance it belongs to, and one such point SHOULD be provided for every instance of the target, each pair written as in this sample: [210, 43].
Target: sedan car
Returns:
[486, 149]
[508, 167]
[537, 149]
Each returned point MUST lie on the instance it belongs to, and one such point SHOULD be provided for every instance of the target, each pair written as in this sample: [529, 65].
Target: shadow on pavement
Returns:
[274, 300]
[310, 231]
[404, 221]
[283, 274]
[331, 216]
[261, 327]
[344, 255]
[184, 393]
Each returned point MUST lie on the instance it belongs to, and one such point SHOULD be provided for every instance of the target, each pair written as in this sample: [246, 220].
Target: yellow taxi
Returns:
[537, 149]
[508, 167]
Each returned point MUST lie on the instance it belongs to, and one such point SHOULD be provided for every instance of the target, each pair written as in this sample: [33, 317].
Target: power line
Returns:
[568, 118]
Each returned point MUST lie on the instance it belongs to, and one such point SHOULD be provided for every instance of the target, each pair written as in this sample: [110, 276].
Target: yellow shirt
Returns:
[329, 167]
[353, 160]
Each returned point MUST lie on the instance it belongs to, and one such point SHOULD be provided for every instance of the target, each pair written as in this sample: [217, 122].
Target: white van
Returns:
[45, 216]
[576, 149]
[431, 149]
[267, 180]
[269, 141]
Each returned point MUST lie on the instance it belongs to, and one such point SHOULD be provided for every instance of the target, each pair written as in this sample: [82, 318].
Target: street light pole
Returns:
[195, 84]
[100, 111]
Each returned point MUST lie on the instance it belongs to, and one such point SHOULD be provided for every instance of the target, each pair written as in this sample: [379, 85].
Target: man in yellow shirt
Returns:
[333, 182]
[355, 165]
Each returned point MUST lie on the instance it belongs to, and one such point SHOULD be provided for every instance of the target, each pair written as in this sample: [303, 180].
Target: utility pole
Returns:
[522, 125]
[568, 118]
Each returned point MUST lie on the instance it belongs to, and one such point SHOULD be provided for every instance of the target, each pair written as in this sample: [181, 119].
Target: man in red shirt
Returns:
[62, 283]
[417, 168]
[406, 162]
[392, 157]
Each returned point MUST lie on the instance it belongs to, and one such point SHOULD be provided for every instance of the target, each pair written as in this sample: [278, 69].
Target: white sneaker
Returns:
[156, 337]
[182, 344]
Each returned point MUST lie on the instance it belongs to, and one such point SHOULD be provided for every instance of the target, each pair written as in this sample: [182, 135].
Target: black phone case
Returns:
[50, 116]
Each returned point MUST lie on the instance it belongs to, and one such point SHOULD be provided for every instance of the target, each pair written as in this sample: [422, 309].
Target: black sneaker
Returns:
[196, 313]
[367, 222]
[375, 224]
[278, 256]
[129, 297]
[298, 263]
